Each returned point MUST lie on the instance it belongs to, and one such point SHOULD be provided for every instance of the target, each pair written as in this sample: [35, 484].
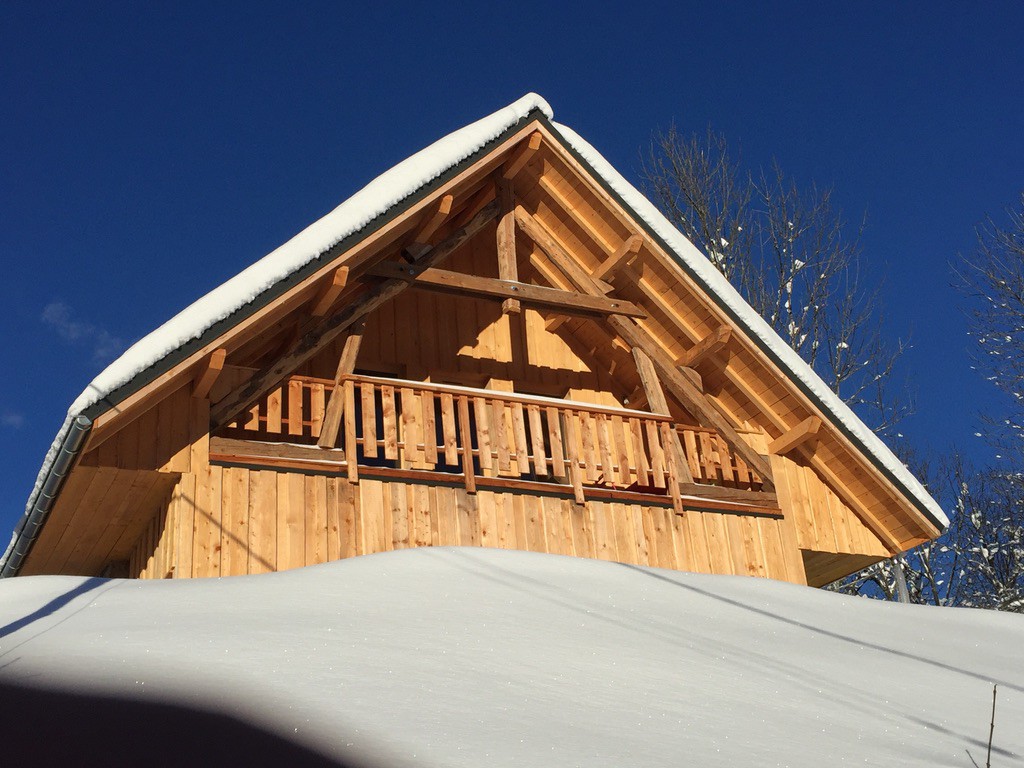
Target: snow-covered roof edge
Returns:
[332, 232]
[698, 266]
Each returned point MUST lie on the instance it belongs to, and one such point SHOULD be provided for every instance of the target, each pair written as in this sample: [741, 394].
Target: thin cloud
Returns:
[12, 419]
[61, 318]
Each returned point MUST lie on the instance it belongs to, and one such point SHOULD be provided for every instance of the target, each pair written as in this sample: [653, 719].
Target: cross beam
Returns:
[442, 280]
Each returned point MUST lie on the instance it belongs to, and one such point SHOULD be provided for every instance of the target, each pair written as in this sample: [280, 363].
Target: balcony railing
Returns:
[413, 426]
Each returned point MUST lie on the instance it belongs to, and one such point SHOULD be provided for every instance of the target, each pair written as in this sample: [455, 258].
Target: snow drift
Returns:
[471, 657]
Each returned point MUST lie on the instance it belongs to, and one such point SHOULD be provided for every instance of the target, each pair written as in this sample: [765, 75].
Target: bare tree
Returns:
[979, 561]
[792, 256]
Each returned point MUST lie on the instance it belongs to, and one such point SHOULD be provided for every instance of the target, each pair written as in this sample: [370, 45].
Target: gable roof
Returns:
[362, 214]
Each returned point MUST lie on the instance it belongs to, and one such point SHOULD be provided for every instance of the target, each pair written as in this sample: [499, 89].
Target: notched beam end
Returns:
[804, 434]
[209, 373]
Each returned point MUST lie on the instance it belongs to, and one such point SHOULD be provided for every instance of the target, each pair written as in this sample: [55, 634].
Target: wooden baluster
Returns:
[657, 453]
[274, 411]
[519, 433]
[555, 439]
[351, 447]
[429, 428]
[387, 397]
[671, 457]
[589, 452]
[641, 465]
[367, 393]
[692, 454]
[467, 445]
[317, 406]
[604, 444]
[295, 390]
[409, 439]
[500, 435]
[253, 422]
[483, 434]
[572, 454]
[540, 459]
[725, 462]
[706, 459]
[618, 427]
[451, 444]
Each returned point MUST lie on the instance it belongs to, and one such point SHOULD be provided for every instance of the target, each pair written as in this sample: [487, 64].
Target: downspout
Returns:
[28, 527]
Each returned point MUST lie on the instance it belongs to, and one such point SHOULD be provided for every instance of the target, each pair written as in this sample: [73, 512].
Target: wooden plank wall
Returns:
[254, 521]
[822, 521]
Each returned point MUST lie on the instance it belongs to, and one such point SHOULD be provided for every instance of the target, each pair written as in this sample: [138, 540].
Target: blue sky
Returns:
[147, 154]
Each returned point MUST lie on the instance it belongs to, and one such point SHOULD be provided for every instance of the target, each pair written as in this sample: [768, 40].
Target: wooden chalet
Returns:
[515, 351]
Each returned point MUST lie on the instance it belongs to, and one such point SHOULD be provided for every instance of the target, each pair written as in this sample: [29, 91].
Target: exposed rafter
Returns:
[626, 253]
[209, 373]
[330, 292]
[706, 348]
[522, 155]
[804, 433]
[435, 220]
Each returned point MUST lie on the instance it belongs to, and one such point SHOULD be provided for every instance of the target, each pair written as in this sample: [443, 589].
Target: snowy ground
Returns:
[474, 657]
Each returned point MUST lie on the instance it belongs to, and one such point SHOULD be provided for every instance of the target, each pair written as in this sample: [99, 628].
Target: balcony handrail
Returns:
[423, 426]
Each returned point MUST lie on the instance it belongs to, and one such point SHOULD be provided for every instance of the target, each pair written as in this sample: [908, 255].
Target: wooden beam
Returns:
[693, 376]
[336, 403]
[575, 273]
[802, 434]
[329, 329]
[474, 205]
[637, 399]
[521, 156]
[706, 347]
[679, 385]
[507, 267]
[431, 225]
[330, 292]
[443, 280]
[210, 371]
[575, 213]
[659, 404]
[626, 253]
[656, 399]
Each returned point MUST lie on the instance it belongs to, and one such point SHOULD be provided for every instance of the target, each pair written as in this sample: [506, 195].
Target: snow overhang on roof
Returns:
[371, 207]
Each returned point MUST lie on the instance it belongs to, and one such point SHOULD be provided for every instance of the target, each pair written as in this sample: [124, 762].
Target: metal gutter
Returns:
[32, 521]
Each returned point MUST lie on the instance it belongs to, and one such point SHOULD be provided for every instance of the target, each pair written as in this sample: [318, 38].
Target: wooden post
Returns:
[659, 404]
[467, 445]
[336, 404]
[507, 268]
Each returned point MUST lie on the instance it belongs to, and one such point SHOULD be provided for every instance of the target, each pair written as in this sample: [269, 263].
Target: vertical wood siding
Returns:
[234, 521]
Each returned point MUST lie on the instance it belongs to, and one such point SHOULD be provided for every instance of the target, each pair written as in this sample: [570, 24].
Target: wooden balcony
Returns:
[489, 438]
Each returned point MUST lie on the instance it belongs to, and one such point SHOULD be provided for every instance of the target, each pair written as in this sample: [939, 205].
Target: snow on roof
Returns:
[470, 657]
[397, 184]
